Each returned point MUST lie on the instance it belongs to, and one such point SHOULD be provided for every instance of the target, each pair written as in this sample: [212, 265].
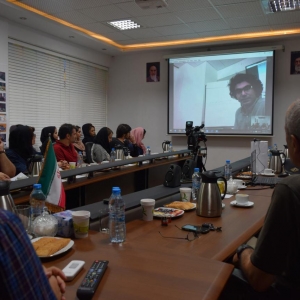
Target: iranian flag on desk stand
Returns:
[50, 178]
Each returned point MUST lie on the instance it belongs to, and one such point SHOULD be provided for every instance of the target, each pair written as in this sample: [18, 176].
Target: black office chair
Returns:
[290, 167]
[88, 152]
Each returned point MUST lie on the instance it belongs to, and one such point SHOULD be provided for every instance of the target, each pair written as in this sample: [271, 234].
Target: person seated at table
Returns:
[20, 147]
[125, 139]
[78, 144]
[22, 275]
[89, 133]
[272, 269]
[139, 135]
[7, 168]
[101, 149]
[50, 131]
[63, 148]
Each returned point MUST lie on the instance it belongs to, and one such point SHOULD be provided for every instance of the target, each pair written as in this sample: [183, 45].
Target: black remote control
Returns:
[92, 279]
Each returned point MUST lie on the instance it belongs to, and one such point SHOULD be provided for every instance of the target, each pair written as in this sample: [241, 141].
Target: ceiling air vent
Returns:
[151, 4]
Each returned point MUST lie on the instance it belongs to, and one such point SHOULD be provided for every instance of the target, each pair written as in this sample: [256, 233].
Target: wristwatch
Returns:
[241, 248]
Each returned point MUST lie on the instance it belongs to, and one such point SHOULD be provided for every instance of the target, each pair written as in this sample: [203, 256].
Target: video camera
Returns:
[194, 134]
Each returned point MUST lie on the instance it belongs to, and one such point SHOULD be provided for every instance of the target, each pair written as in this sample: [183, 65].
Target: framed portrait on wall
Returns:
[295, 62]
[153, 72]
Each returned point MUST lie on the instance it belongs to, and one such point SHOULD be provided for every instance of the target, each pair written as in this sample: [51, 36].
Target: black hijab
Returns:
[86, 132]
[102, 139]
[20, 140]
[45, 135]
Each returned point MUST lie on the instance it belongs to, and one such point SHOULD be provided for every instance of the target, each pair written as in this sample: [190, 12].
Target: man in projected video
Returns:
[247, 89]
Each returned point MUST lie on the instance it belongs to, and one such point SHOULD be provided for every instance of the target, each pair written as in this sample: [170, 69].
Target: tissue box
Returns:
[65, 223]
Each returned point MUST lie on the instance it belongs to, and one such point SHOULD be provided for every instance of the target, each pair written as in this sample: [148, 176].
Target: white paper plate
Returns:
[248, 204]
[65, 249]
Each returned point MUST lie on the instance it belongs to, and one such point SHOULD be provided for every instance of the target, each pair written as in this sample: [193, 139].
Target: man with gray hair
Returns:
[272, 269]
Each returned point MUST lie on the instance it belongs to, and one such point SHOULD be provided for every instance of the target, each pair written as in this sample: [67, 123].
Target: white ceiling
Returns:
[181, 19]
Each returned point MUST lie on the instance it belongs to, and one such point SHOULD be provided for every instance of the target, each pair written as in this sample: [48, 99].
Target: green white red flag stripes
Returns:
[50, 178]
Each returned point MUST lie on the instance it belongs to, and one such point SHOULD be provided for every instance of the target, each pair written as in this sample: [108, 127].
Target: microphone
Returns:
[202, 126]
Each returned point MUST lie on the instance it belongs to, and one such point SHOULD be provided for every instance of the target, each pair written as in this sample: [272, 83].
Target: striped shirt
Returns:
[21, 272]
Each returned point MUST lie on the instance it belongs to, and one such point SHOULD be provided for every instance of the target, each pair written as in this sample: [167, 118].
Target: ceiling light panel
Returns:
[133, 9]
[124, 24]
[280, 5]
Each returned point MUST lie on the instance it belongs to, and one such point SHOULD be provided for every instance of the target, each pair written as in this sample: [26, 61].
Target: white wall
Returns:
[134, 101]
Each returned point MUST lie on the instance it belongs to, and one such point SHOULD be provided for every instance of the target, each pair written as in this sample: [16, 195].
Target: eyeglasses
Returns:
[191, 236]
[246, 88]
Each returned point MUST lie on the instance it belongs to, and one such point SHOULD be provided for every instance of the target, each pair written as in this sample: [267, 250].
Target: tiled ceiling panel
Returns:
[204, 14]
[105, 13]
[142, 33]
[223, 2]
[100, 28]
[134, 10]
[117, 36]
[79, 4]
[215, 33]
[75, 17]
[251, 29]
[47, 6]
[240, 10]
[174, 29]
[181, 5]
[160, 20]
[209, 26]
[247, 21]
[284, 18]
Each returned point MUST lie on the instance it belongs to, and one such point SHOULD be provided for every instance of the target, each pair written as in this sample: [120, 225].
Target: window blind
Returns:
[45, 89]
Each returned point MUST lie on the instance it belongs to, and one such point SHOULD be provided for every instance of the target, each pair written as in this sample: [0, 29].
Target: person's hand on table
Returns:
[64, 165]
[57, 281]
[4, 177]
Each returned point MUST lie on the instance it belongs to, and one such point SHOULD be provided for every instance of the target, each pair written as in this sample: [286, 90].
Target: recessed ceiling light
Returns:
[272, 6]
[104, 49]
[71, 36]
[124, 24]
[23, 18]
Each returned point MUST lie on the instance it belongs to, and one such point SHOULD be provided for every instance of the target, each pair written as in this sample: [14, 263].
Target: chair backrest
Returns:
[88, 152]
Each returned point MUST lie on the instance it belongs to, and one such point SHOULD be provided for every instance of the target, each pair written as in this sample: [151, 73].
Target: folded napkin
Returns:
[19, 177]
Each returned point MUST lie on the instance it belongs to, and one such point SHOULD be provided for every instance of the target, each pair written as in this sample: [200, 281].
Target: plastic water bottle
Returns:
[112, 155]
[170, 147]
[117, 227]
[227, 170]
[275, 147]
[37, 203]
[79, 160]
[195, 184]
[148, 150]
[269, 155]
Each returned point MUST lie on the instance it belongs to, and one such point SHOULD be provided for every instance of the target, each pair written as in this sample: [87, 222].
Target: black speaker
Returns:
[188, 169]
[173, 176]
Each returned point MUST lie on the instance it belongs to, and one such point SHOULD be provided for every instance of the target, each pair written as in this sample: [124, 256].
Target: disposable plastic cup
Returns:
[72, 164]
[147, 207]
[185, 194]
[81, 222]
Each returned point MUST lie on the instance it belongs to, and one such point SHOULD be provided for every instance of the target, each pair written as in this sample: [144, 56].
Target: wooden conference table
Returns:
[148, 266]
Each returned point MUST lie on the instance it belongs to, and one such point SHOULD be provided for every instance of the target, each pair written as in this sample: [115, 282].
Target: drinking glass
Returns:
[23, 212]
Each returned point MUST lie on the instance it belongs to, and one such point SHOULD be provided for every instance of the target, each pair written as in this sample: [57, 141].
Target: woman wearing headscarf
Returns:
[78, 144]
[50, 131]
[88, 132]
[20, 147]
[101, 149]
[139, 134]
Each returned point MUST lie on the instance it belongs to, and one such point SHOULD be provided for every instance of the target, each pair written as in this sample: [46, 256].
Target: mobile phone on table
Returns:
[195, 228]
